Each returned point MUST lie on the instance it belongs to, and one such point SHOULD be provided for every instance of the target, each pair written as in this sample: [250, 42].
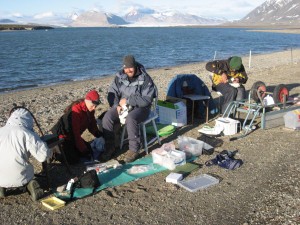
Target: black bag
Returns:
[88, 180]
[64, 124]
[50, 138]
[226, 160]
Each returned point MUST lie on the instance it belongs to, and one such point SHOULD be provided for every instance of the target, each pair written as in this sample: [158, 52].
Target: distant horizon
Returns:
[235, 9]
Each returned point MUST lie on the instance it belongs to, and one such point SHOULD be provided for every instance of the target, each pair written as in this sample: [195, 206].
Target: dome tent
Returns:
[191, 84]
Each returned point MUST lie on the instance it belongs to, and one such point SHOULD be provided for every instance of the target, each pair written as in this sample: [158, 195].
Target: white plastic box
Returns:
[230, 126]
[174, 178]
[169, 159]
[292, 119]
[191, 145]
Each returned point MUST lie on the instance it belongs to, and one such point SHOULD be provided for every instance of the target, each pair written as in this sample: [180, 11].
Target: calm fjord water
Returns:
[33, 58]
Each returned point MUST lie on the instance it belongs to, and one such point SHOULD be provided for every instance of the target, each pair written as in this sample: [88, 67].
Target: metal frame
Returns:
[151, 118]
[256, 110]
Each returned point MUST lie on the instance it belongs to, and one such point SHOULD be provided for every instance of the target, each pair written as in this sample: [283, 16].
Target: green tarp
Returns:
[119, 176]
[116, 177]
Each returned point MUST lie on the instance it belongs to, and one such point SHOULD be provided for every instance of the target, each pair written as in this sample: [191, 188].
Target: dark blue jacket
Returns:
[139, 91]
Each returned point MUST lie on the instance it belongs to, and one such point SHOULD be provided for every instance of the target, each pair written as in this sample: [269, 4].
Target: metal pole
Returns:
[215, 55]
[250, 59]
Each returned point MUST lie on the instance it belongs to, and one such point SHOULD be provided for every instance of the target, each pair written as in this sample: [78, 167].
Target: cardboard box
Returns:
[171, 112]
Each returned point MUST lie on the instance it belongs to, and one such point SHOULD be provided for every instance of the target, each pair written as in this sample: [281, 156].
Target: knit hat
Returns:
[235, 63]
[129, 61]
[93, 96]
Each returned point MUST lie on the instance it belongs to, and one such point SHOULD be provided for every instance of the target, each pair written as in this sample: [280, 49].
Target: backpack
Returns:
[64, 124]
[225, 160]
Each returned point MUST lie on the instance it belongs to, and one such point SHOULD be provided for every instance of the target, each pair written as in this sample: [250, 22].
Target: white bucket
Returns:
[229, 125]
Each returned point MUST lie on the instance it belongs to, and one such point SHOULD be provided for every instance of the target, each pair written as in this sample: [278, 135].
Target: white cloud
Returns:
[16, 14]
[44, 15]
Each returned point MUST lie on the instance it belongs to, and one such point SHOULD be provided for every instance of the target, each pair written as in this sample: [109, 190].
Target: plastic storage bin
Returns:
[230, 126]
[292, 119]
[199, 182]
[169, 159]
[190, 145]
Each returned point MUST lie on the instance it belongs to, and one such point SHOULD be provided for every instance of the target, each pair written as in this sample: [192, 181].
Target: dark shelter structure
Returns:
[186, 84]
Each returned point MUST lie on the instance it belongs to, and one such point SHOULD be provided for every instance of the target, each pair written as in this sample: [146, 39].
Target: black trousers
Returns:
[72, 153]
[230, 94]
[134, 118]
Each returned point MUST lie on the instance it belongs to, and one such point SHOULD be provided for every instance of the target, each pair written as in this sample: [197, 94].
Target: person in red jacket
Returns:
[78, 117]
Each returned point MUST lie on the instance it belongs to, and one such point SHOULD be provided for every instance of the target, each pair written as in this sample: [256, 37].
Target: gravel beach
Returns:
[265, 190]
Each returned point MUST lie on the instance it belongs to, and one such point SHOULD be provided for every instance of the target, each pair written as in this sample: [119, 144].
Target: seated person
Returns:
[78, 117]
[134, 88]
[228, 78]
[17, 142]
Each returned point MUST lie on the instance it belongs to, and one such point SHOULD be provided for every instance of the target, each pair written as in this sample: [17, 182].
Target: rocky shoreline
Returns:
[17, 27]
[265, 190]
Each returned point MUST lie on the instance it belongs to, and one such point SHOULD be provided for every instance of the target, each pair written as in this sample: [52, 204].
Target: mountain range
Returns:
[271, 12]
[274, 12]
[141, 18]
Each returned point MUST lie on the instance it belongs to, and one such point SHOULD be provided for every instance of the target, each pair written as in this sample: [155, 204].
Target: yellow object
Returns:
[53, 203]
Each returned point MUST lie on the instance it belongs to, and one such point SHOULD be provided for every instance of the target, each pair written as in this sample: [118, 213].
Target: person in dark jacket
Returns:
[78, 117]
[228, 78]
[133, 88]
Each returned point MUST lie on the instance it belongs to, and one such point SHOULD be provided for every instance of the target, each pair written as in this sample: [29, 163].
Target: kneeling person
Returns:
[17, 142]
[78, 117]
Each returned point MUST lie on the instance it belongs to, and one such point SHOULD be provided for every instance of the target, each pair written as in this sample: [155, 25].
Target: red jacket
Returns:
[83, 119]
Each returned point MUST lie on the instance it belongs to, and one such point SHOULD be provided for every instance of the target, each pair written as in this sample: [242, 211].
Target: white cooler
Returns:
[230, 126]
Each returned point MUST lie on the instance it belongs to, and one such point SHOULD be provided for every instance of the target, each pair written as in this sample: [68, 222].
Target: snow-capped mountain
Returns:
[272, 12]
[8, 21]
[136, 14]
[167, 18]
[136, 17]
[48, 18]
[96, 19]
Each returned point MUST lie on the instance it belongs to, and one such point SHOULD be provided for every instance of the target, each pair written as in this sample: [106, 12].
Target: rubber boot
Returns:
[130, 156]
[108, 152]
[36, 192]
[2, 192]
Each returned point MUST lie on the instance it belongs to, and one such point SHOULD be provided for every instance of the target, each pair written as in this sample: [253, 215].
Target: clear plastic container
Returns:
[292, 119]
[190, 145]
[199, 182]
[169, 159]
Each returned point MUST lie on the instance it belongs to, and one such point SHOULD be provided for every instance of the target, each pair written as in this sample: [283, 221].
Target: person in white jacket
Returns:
[18, 142]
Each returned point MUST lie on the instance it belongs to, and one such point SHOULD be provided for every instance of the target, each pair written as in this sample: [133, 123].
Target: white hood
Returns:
[18, 142]
[22, 118]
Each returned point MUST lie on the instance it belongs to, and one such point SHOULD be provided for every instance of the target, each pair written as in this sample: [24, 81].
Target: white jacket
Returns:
[17, 142]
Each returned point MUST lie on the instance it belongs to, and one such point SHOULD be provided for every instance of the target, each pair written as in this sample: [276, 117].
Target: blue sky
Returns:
[229, 9]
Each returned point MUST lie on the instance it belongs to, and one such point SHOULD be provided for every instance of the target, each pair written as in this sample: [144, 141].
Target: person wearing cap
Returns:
[78, 117]
[228, 78]
[134, 88]
[18, 142]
